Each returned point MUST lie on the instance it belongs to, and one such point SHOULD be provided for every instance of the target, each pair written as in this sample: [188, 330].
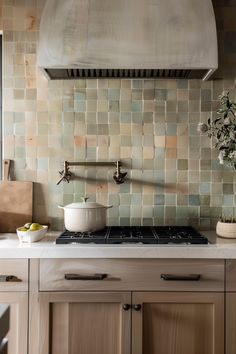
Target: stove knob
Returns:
[126, 307]
[137, 307]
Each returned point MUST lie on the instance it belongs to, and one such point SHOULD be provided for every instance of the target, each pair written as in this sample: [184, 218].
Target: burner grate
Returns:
[179, 235]
[132, 234]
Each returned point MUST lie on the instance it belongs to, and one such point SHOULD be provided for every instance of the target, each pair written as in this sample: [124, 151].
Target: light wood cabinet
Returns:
[230, 323]
[14, 291]
[17, 336]
[130, 274]
[176, 306]
[84, 323]
[230, 307]
[177, 323]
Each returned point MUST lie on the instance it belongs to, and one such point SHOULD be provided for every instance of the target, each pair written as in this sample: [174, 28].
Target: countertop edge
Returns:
[10, 247]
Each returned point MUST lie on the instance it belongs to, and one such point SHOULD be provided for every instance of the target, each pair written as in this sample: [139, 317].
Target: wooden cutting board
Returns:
[16, 201]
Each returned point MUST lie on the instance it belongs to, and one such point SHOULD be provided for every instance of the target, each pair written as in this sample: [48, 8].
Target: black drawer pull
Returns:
[72, 276]
[187, 277]
[9, 278]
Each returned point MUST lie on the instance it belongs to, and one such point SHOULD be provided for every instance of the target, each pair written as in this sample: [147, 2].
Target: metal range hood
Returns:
[128, 39]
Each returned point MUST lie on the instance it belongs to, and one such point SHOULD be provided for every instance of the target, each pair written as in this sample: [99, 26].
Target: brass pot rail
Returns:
[66, 175]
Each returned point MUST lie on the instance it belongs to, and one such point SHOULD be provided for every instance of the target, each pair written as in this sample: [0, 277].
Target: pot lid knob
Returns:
[84, 199]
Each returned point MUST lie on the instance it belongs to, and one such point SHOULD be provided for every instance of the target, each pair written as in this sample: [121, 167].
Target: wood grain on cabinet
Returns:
[17, 336]
[17, 268]
[231, 275]
[84, 323]
[131, 274]
[178, 323]
[230, 323]
[34, 306]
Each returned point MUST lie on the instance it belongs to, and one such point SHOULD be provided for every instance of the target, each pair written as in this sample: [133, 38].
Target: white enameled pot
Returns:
[85, 216]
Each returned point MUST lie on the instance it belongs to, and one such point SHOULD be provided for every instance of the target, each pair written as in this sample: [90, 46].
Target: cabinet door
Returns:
[230, 323]
[178, 323]
[84, 323]
[17, 336]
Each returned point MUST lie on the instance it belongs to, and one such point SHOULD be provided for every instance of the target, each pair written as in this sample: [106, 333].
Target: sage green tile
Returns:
[102, 94]
[91, 117]
[102, 129]
[125, 199]
[205, 95]
[136, 106]
[114, 117]
[148, 117]
[79, 117]
[161, 94]
[91, 83]
[125, 140]
[137, 117]
[125, 117]
[92, 129]
[68, 129]
[114, 106]
[114, 94]
[114, 129]
[149, 84]
[91, 106]
[137, 84]
[170, 212]
[79, 106]
[124, 211]
[80, 95]
[182, 84]
[171, 95]
[182, 164]
[125, 221]
[91, 153]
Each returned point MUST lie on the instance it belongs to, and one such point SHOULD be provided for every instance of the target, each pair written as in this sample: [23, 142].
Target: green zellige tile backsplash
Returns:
[174, 176]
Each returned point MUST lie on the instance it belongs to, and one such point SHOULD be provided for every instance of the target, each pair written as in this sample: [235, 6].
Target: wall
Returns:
[173, 174]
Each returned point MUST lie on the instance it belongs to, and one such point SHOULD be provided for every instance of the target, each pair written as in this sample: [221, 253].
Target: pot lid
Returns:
[85, 205]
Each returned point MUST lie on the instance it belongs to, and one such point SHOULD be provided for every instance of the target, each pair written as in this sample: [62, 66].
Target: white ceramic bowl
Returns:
[31, 236]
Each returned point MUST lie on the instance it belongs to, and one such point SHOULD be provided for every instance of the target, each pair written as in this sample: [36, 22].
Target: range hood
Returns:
[128, 39]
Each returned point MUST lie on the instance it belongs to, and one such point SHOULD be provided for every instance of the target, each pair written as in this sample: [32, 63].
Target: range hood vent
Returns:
[117, 73]
[128, 39]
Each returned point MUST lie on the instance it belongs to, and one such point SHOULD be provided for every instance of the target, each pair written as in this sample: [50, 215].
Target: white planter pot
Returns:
[225, 229]
[84, 217]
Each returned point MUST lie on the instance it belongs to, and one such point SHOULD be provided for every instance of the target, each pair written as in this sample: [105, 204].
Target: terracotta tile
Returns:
[171, 141]
[80, 141]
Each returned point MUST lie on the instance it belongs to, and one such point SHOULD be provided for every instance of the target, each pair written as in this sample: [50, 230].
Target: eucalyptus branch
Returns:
[223, 130]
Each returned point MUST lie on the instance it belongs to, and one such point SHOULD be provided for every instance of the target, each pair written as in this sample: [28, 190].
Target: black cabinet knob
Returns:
[137, 307]
[126, 307]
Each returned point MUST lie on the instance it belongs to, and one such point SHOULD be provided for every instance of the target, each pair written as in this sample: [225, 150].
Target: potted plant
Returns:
[223, 130]
[226, 227]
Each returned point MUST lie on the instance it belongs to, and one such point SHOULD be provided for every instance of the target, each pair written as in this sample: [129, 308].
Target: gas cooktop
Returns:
[136, 234]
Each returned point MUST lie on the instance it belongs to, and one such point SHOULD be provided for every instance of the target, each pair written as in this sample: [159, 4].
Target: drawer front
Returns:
[147, 275]
[231, 275]
[13, 275]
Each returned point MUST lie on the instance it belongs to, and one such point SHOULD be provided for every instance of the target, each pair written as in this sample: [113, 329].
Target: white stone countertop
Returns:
[219, 248]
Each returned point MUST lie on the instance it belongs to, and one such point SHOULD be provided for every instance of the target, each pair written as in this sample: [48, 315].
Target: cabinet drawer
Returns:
[231, 275]
[123, 274]
[13, 275]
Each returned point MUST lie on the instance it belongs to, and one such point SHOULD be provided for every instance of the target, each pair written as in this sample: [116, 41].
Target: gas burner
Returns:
[136, 234]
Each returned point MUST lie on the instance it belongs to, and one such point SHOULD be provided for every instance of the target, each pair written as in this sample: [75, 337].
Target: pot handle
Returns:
[109, 207]
[60, 206]
[84, 199]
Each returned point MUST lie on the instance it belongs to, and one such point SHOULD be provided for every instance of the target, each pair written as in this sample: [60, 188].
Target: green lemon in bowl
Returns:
[35, 226]
[23, 228]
